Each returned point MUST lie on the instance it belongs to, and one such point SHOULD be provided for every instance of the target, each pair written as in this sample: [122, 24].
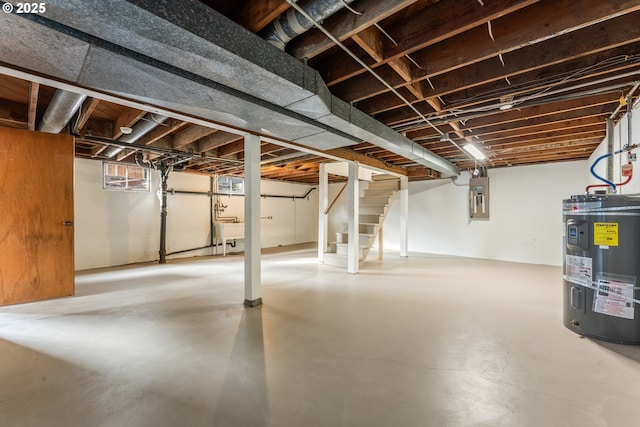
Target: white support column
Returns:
[381, 243]
[323, 204]
[354, 226]
[404, 216]
[252, 279]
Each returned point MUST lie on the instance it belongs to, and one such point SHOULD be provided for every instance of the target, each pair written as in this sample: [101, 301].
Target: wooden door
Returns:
[36, 216]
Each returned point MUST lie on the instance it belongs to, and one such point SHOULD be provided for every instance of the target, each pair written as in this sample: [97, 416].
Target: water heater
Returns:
[601, 297]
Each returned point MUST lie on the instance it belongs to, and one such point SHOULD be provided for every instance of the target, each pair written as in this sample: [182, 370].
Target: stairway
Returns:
[374, 203]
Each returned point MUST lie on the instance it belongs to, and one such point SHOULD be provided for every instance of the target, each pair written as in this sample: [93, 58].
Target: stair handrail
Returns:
[326, 211]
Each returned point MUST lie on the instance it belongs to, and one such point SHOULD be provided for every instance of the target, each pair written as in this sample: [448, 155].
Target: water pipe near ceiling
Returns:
[628, 168]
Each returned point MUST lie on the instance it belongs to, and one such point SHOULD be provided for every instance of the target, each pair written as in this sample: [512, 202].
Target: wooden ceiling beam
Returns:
[537, 23]
[593, 130]
[164, 142]
[124, 154]
[345, 24]
[585, 148]
[524, 144]
[514, 145]
[420, 172]
[268, 147]
[586, 130]
[256, 15]
[609, 34]
[564, 120]
[542, 119]
[95, 151]
[542, 110]
[216, 140]
[370, 40]
[433, 24]
[231, 148]
[516, 115]
[265, 148]
[405, 113]
[14, 114]
[34, 89]
[86, 110]
[190, 135]
[98, 128]
[446, 19]
[169, 126]
[354, 156]
[127, 120]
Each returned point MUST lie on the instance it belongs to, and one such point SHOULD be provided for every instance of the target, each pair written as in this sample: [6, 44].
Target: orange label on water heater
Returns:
[605, 233]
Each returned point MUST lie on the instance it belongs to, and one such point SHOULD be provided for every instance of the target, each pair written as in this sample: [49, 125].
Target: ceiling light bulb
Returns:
[506, 102]
[125, 130]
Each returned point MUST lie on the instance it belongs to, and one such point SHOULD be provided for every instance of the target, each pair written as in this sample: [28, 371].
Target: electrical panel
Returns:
[479, 198]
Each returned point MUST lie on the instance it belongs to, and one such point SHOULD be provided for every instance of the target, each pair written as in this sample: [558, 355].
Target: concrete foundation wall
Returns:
[116, 228]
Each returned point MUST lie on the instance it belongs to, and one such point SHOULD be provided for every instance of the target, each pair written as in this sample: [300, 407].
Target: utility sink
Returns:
[224, 231]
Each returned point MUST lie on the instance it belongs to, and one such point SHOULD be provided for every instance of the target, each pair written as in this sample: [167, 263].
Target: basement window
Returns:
[230, 184]
[117, 176]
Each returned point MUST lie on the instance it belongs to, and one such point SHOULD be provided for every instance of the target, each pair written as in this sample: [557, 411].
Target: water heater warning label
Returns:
[614, 298]
[578, 270]
[605, 233]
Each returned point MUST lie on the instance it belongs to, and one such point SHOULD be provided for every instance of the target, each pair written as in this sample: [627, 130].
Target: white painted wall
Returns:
[116, 228]
[526, 215]
[112, 227]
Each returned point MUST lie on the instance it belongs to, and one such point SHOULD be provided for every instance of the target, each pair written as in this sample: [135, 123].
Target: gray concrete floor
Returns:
[422, 341]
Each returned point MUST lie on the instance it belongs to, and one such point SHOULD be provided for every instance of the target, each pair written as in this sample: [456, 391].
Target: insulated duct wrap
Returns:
[291, 24]
[187, 58]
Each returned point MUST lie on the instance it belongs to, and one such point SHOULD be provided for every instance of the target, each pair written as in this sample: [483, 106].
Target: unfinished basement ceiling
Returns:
[528, 82]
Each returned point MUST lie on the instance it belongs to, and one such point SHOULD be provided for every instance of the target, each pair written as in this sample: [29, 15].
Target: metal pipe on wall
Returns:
[610, 149]
[164, 176]
[211, 213]
[211, 193]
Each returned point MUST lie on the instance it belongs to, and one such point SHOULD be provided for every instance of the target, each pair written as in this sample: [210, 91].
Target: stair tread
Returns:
[345, 244]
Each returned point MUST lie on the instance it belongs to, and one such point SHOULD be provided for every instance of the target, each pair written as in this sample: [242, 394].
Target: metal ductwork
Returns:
[144, 126]
[187, 58]
[61, 109]
[291, 24]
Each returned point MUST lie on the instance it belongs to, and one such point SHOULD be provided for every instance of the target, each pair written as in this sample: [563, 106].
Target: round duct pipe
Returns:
[291, 23]
[61, 109]
[144, 126]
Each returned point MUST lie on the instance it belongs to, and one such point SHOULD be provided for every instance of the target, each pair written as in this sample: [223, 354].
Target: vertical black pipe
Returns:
[211, 209]
[164, 175]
